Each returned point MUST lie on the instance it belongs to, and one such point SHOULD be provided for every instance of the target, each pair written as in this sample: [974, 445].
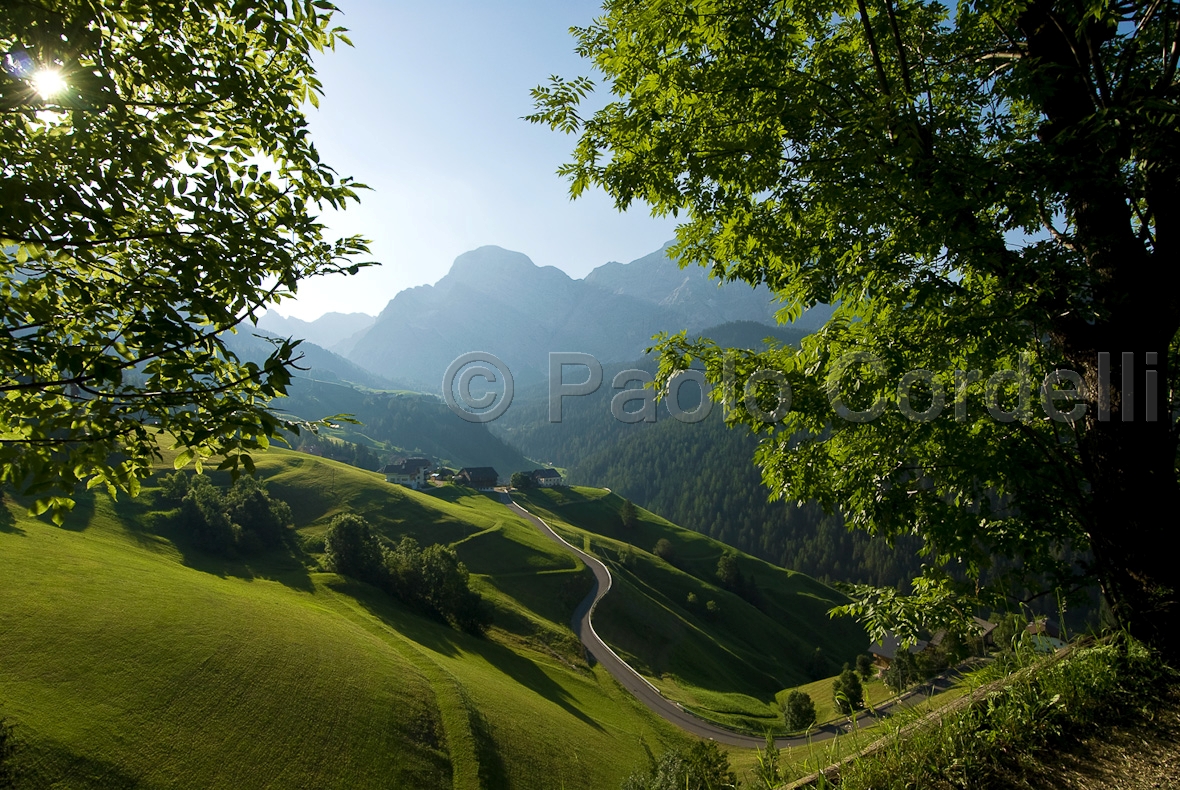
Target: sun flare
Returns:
[48, 83]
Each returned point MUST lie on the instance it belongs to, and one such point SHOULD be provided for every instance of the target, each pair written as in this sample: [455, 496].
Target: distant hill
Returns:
[692, 295]
[331, 330]
[316, 362]
[405, 423]
[394, 421]
[500, 301]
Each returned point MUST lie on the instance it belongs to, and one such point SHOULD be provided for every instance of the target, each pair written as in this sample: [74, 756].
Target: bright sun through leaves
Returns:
[48, 83]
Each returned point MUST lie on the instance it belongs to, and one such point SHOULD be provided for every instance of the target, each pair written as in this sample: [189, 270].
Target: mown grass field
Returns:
[129, 659]
[726, 665]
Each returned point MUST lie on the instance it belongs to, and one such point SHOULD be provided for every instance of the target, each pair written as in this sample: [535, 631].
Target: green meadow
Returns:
[129, 659]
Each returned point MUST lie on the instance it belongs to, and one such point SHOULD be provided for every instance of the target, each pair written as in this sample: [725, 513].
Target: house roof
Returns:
[474, 473]
[545, 474]
[406, 466]
[1045, 626]
[887, 648]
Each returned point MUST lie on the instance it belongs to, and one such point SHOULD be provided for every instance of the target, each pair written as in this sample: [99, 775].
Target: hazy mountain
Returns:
[692, 294]
[314, 362]
[500, 301]
[393, 421]
[327, 331]
[689, 293]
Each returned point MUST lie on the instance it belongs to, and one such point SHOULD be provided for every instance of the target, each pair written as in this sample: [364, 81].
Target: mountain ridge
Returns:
[500, 301]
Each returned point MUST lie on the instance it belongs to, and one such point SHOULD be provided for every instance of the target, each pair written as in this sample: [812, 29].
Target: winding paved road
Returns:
[621, 671]
[648, 694]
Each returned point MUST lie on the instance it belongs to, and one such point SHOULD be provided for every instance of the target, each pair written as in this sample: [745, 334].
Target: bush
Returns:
[628, 515]
[203, 516]
[245, 519]
[864, 666]
[798, 711]
[521, 481]
[249, 506]
[1045, 702]
[174, 486]
[664, 550]
[351, 549]
[431, 579]
[728, 573]
[703, 766]
[847, 692]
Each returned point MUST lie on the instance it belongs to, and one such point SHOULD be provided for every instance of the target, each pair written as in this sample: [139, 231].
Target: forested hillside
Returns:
[703, 477]
[700, 475]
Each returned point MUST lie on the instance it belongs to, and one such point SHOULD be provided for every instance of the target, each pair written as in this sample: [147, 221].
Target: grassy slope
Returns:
[727, 667]
[127, 659]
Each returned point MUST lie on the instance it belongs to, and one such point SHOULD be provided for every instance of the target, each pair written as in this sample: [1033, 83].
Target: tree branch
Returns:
[873, 50]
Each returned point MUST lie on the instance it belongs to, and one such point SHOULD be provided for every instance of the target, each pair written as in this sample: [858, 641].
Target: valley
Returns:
[130, 656]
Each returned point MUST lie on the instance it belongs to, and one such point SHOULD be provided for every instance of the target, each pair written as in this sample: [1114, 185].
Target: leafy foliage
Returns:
[798, 711]
[983, 192]
[431, 579]
[522, 481]
[703, 766]
[167, 194]
[847, 691]
[244, 519]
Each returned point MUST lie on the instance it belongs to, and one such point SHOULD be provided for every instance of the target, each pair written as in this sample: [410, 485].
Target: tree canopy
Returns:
[985, 192]
[160, 188]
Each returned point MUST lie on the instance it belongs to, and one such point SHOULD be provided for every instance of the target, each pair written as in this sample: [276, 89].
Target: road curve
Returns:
[631, 680]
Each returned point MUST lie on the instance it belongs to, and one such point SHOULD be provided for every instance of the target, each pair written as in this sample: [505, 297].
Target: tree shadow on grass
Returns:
[146, 520]
[76, 520]
[529, 674]
[443, 639]
[7, 520]
[283, 564]
[426, 631]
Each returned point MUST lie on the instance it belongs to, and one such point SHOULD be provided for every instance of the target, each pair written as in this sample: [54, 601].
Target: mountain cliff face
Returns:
[500, 301]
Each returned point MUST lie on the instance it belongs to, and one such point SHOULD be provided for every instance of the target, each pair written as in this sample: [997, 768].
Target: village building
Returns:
[408, 472]
[546, 478]
[885, 651]
[481, 478]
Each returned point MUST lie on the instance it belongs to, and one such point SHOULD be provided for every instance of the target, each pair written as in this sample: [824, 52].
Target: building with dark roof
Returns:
[546, 478]
[885, 651]
[408, 472]
[481, 478]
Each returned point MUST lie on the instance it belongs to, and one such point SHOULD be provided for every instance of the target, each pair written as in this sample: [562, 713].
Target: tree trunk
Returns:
[1129, 287]
[1129, 454]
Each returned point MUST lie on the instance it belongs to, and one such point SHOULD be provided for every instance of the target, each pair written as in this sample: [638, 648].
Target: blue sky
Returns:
[426, 109]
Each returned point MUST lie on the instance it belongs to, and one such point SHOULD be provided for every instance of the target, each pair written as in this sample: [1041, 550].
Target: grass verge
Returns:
[1021, 706]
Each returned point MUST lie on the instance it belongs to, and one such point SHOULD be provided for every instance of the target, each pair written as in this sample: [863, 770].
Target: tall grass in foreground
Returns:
[1020, 704]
